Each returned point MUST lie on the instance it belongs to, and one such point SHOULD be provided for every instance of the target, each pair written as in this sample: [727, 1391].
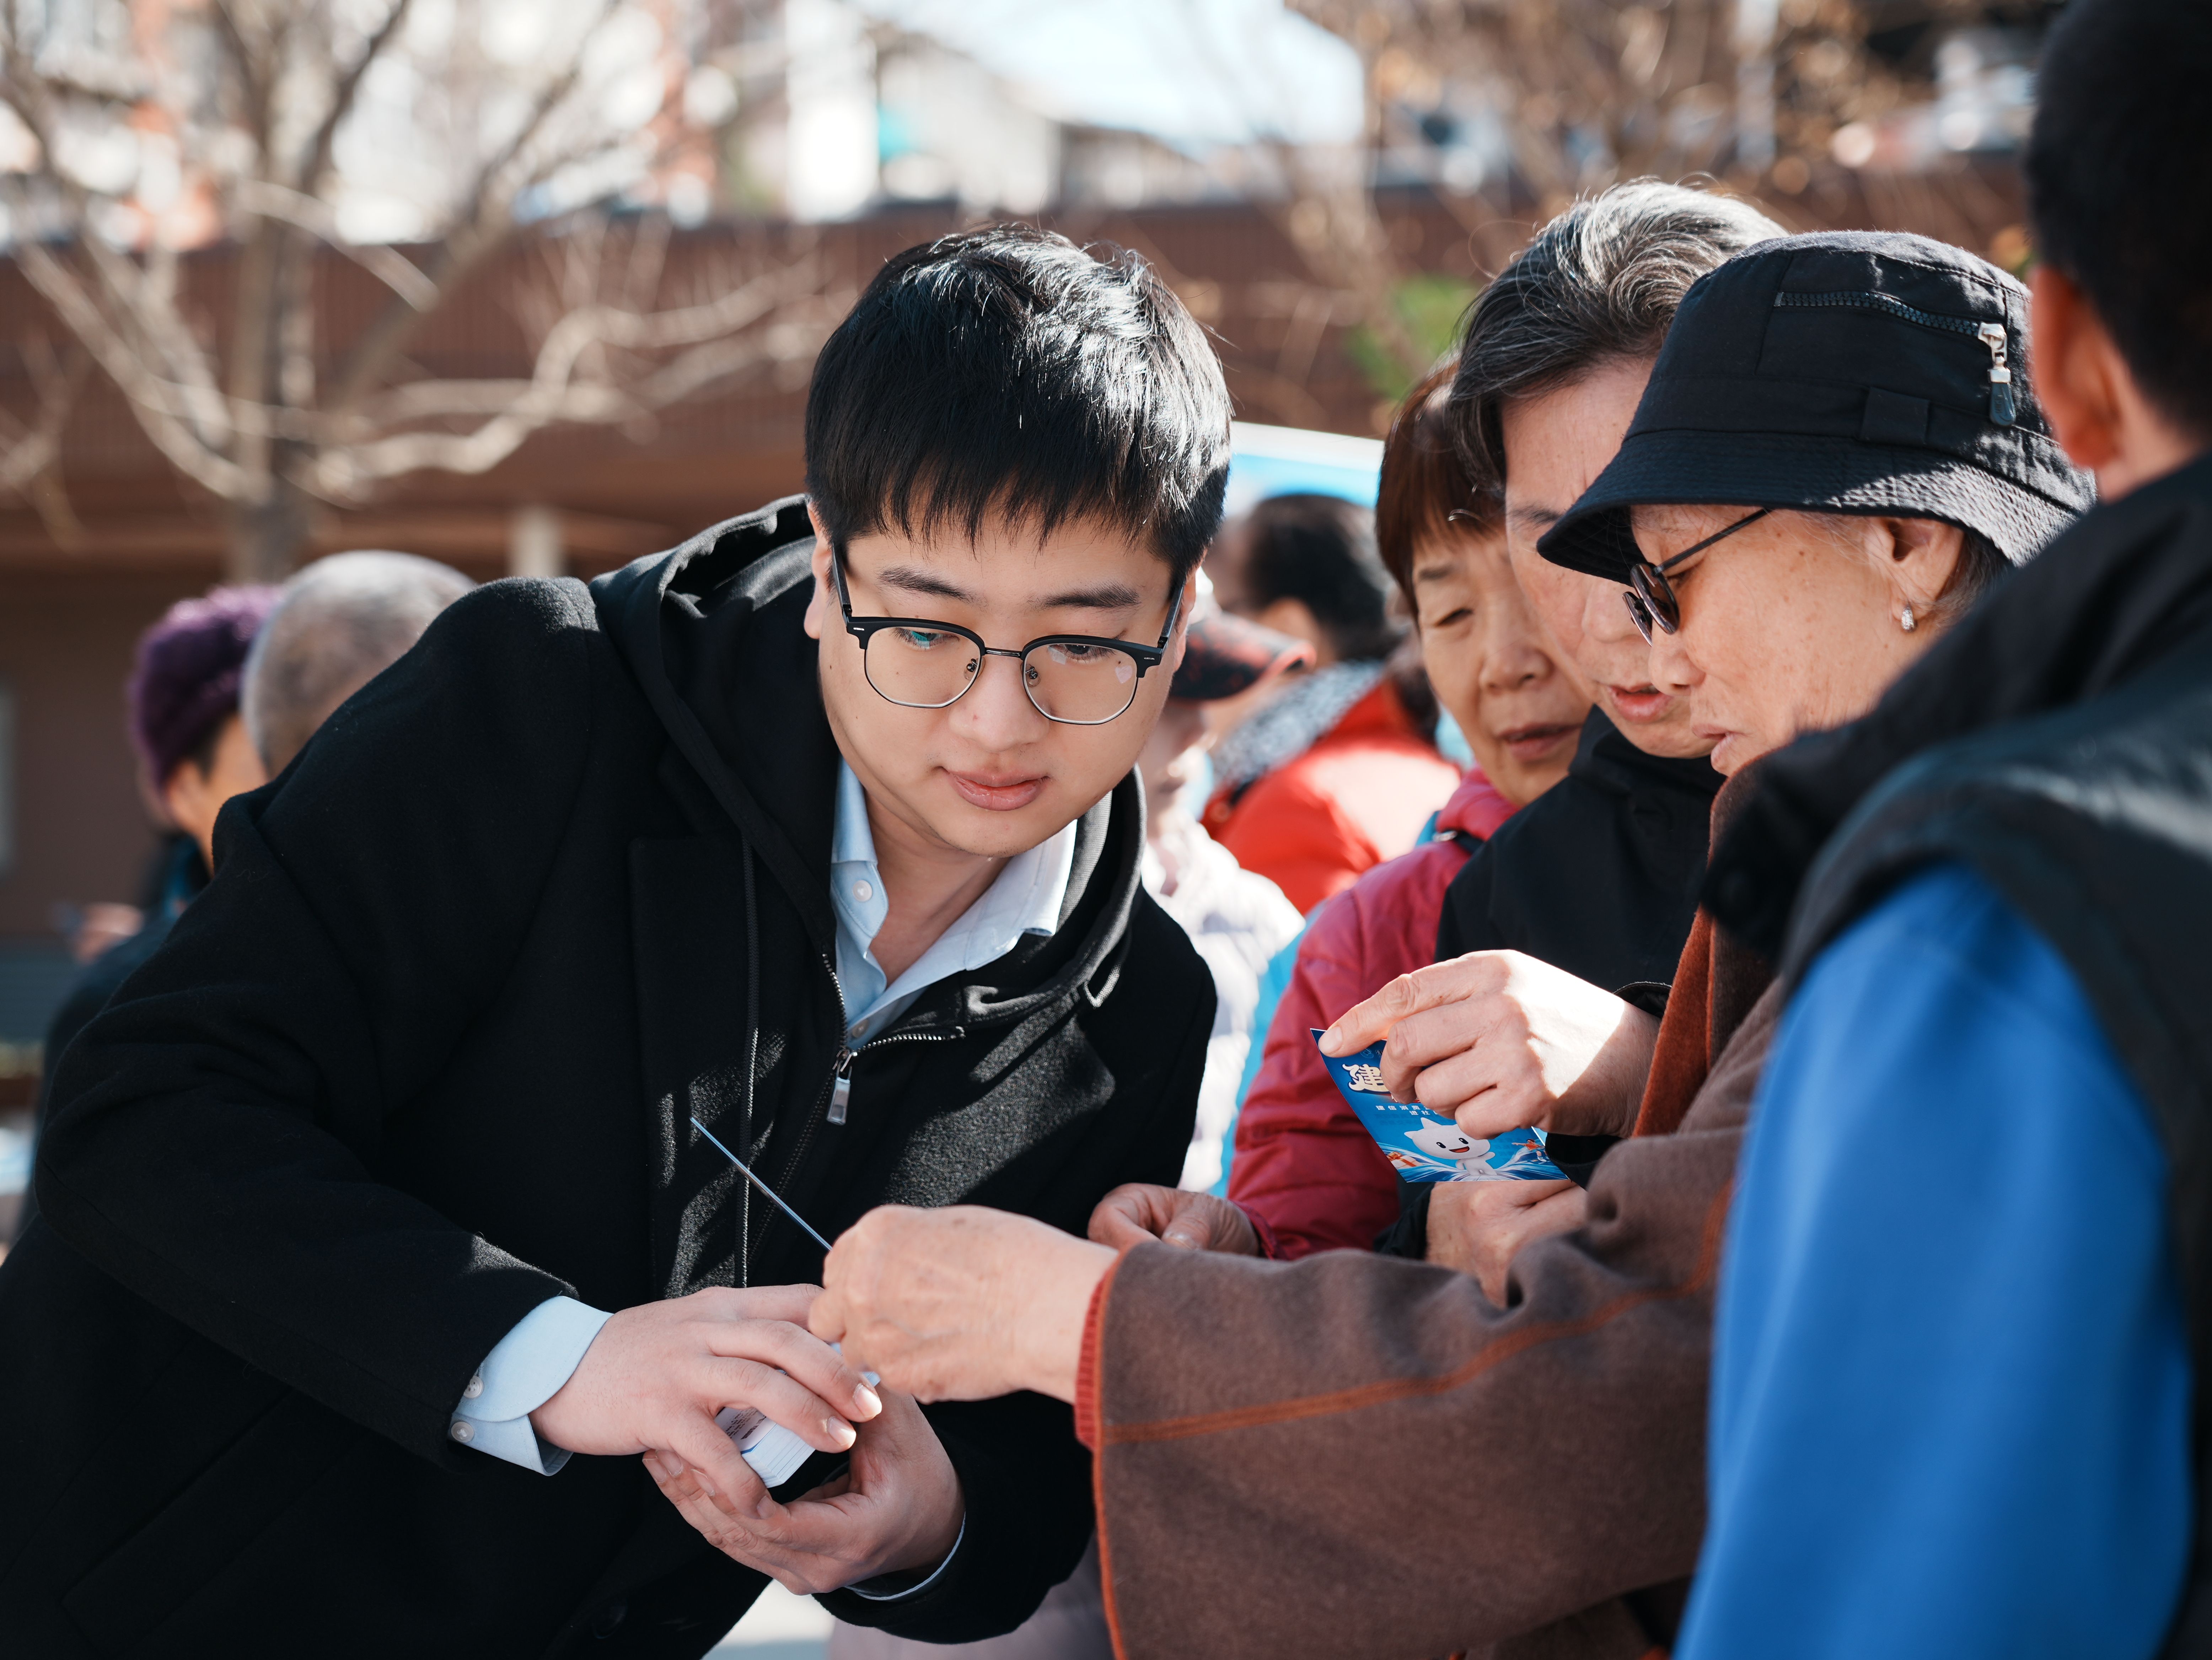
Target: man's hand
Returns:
[962, 1303]
[1138, 1211]
[898, 1506]
[1479, 1228]
[1498, 1039]
[656, 1375]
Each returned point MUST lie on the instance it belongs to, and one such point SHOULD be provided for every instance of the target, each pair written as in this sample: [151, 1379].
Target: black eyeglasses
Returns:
[1078, 680]
[1651, 599]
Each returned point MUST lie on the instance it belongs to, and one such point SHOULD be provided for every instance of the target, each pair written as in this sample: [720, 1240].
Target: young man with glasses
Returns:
[406, 1170]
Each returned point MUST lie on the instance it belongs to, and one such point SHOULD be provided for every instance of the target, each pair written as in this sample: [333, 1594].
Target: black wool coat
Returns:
[1599, 874]
[425, 1053]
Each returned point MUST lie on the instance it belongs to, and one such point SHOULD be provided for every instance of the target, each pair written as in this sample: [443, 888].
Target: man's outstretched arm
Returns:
[217, 1127]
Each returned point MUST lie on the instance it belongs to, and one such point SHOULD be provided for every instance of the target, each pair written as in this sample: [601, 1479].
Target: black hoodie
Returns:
[426, 1053]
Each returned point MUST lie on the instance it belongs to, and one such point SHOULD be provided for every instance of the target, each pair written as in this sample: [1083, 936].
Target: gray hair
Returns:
[338, 624]
[1598, 285]
[1979, 564]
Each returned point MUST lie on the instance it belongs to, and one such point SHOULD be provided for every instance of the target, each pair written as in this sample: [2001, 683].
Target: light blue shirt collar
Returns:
[1025, 897]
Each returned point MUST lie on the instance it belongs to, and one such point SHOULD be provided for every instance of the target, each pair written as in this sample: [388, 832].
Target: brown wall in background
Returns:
[81, 832]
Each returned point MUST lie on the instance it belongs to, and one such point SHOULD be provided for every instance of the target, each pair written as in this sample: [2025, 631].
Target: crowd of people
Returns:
[856, 1112]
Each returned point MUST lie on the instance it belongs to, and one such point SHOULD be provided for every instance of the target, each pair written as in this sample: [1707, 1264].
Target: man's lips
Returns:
[1637, 703]
[1535, 741]
[999, 793]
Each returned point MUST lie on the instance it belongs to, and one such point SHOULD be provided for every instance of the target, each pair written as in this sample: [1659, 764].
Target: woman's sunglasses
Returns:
[1650, 597]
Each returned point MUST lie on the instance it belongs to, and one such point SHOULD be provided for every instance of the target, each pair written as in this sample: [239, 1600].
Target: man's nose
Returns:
[1606, 616]
[1673, 669]
[996, 712]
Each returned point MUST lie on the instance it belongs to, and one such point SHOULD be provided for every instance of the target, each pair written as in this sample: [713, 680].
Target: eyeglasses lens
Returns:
[1081, 685]
[922, 668]
[1651, 600]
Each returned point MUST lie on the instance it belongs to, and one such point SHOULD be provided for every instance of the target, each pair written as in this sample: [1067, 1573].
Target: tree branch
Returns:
[158, 415]
[310, 213]
[39, 445]
[485, 221]
[705, 336]
[253, 79]
[343, 94]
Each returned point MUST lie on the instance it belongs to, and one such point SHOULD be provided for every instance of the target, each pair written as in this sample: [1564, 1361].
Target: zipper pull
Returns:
[841, 1089]
[1993, 336]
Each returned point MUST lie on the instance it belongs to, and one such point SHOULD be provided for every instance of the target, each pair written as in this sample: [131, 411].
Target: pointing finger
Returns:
[1409, 994]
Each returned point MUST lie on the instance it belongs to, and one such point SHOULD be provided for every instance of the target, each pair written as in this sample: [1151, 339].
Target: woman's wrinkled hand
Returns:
[1479, 1227]
[961, 1304]
[1138, 1211]
[1499, 1039]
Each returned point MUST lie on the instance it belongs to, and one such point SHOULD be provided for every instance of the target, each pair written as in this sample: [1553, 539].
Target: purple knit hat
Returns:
[186, 677]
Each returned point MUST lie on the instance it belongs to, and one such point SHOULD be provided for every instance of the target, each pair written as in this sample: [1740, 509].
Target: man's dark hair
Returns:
[2117, 168]
[1006, 372]
[1598, 285]
[1321, 549]
[1425, 492]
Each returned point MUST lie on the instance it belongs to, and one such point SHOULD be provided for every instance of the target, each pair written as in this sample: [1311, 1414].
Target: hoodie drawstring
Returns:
[752, 1059]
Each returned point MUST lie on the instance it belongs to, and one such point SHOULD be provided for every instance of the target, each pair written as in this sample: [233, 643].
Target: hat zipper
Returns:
[1991, 335]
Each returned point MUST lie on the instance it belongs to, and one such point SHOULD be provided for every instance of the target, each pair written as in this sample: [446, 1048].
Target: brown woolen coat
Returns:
[1360, 1456]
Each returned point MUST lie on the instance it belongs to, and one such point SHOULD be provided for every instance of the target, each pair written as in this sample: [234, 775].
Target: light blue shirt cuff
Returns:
[522, 1373]
[936, 1573]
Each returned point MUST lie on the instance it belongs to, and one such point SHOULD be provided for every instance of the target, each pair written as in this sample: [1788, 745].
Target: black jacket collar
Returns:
[2123, 589]
[1607, 761]
[711, 630]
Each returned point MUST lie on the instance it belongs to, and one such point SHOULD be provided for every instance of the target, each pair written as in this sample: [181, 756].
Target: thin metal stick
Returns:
[746, 1170]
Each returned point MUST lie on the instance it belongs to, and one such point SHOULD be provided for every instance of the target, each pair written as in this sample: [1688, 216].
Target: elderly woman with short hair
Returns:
[1353, 1455]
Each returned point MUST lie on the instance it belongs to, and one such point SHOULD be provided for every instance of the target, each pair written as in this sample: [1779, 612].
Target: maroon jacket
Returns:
[1306, 1171]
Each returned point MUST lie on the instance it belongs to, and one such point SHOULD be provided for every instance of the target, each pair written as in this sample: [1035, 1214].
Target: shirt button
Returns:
[863, 892]
[475, 1388]
[464, 1431]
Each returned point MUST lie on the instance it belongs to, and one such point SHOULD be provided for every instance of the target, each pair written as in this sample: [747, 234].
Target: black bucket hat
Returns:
[1854, 372]
[1224, 655]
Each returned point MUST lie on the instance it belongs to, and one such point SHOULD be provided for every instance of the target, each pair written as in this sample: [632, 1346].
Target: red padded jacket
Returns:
[1306, 1173]
[1359, 796]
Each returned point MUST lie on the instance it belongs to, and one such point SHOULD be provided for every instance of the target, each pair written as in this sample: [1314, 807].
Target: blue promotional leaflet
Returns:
[1427, 1147]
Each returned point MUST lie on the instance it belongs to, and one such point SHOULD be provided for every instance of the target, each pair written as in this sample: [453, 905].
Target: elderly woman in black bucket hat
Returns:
[1834, 458]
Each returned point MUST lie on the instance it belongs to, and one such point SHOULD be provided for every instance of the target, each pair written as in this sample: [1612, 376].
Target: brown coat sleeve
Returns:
[1354, 1456]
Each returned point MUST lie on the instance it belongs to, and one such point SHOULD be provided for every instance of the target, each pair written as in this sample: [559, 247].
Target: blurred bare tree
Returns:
[416, 146]
[1592, 91]
[1577, 94]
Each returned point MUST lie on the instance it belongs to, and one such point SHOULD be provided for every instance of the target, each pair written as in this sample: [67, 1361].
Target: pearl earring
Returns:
[1906, 622]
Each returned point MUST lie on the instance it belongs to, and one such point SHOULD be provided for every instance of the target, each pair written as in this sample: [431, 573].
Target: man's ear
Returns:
[2074, 361]
[2097, 407]
[821, 606]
